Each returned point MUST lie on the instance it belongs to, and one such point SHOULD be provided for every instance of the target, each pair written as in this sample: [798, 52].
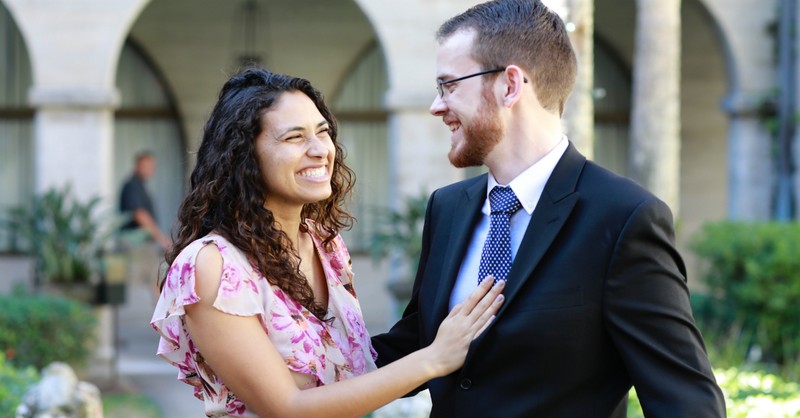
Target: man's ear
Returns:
[515, 80]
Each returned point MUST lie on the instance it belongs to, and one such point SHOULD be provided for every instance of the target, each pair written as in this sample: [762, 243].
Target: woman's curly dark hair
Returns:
[228, 191]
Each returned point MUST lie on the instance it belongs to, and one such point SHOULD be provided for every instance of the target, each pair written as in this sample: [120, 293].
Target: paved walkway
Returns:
[139, 368]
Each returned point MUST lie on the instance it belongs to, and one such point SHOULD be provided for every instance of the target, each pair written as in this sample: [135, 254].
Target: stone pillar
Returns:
[418, 147]
[796, 142]
[654, 158]
[750, 51]
[73, 141]
[751, 172]
[418, 142]
[578, 114]
[74, 48]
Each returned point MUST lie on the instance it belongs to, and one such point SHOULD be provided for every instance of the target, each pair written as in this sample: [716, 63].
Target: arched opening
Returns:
[147, 120]
[16, 121]
[358, 107]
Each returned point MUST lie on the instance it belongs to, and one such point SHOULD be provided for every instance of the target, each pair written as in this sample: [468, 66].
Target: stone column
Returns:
[419, 142]
[578, 116]
[750, 51]
[654, 156]
[73, 140]
[74, 48]
[751, 172]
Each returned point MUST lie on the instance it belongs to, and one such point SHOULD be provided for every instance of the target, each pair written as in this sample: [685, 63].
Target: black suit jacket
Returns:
[596, 301]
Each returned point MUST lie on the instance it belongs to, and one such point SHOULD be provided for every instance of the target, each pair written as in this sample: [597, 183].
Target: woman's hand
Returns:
[463, 324]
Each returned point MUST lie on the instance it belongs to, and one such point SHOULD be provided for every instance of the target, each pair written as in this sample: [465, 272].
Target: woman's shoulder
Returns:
[228, 251]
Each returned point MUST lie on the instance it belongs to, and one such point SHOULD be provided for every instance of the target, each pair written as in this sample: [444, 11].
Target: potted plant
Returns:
[399, 236]
[65, 238]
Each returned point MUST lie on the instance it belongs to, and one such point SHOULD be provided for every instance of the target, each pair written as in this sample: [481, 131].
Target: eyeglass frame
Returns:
[440, 83]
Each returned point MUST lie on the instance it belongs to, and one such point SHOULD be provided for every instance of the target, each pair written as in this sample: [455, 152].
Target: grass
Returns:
[129, 405]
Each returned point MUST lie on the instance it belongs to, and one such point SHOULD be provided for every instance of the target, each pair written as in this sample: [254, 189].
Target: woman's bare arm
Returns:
[241, 354]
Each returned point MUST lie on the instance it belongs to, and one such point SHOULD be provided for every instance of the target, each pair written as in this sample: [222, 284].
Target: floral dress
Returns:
[326, 351]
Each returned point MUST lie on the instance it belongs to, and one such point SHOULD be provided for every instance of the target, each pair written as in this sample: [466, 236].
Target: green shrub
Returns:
[747, 394]
[752, 271]
[37, 330]
[13, 384]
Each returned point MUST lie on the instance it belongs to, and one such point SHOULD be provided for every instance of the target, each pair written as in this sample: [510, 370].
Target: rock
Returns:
[61, 395]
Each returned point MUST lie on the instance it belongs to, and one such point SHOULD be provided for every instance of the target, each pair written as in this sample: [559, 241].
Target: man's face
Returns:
[467, 107]
[146, 167]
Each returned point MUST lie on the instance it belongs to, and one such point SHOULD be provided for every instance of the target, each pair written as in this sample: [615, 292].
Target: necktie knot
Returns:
[503, 200]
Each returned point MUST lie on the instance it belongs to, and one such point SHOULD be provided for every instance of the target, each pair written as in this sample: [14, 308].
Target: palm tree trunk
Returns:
[654, 158]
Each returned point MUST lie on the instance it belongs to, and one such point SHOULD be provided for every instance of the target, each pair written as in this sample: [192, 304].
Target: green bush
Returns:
[13, 384]
[747, 394]
[752, 271]
[37, 330]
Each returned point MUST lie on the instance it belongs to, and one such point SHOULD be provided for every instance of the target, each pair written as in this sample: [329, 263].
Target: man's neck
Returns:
[516, 154]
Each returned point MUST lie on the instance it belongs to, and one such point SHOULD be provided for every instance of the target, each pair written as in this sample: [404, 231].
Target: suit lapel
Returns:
[469, 203]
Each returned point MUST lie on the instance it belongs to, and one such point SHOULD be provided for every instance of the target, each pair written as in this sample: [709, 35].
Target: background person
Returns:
[140, 232]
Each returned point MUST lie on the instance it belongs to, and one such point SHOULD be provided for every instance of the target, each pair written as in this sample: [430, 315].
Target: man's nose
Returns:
[438, 107]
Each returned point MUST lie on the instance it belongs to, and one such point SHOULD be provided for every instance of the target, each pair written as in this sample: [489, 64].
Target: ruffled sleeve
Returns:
[238, 294]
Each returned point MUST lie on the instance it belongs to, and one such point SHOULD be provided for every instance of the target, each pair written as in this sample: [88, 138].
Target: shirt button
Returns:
[465, 384]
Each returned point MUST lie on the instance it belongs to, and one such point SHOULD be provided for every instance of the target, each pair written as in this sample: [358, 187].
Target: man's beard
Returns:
[480, 137]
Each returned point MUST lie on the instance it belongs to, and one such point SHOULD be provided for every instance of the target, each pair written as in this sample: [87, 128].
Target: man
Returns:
[141, 230]
[136, 202]
[596, 296]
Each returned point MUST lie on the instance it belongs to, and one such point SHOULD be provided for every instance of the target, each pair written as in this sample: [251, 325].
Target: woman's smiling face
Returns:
[295, 153]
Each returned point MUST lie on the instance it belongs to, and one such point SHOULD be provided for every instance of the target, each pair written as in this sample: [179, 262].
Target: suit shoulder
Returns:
[600, 182]
[456, 188]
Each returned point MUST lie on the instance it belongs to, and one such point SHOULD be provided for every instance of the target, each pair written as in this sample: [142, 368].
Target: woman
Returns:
[258, 310]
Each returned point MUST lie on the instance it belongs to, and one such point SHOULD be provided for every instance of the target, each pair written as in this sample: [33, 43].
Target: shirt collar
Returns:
[529, 185]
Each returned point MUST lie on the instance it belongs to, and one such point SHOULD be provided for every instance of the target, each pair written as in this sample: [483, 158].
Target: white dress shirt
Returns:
[528, 187]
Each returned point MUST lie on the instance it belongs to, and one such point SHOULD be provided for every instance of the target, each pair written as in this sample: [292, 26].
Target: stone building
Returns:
[85, 84]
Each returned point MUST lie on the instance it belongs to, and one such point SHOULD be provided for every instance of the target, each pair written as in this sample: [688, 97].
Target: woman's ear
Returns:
[515, 80]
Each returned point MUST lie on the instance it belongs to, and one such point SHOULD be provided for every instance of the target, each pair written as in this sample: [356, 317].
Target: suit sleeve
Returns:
[405, 336]
[650, 321]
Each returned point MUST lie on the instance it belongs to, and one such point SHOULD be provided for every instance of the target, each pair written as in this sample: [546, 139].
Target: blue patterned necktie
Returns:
[496, 255]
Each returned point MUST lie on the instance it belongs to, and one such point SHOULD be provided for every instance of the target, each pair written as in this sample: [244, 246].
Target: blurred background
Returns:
[695, 99]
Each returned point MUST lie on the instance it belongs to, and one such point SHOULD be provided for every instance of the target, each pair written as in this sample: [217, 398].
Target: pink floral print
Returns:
[327, 351]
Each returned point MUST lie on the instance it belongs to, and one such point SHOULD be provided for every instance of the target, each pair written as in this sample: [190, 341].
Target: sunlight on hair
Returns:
[558, 6]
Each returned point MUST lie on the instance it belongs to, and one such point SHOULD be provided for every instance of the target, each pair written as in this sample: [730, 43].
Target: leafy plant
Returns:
[399, 233]
[13, 384]
[62, 234]
[747, 394]
[37, 330]
[752, 271]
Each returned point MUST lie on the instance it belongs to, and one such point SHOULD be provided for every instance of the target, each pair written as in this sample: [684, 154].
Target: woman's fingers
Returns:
[467, 306]
[487, 316]
[479, 309]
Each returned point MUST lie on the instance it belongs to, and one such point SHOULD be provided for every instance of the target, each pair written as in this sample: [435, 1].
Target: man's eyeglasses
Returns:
[440, 83]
